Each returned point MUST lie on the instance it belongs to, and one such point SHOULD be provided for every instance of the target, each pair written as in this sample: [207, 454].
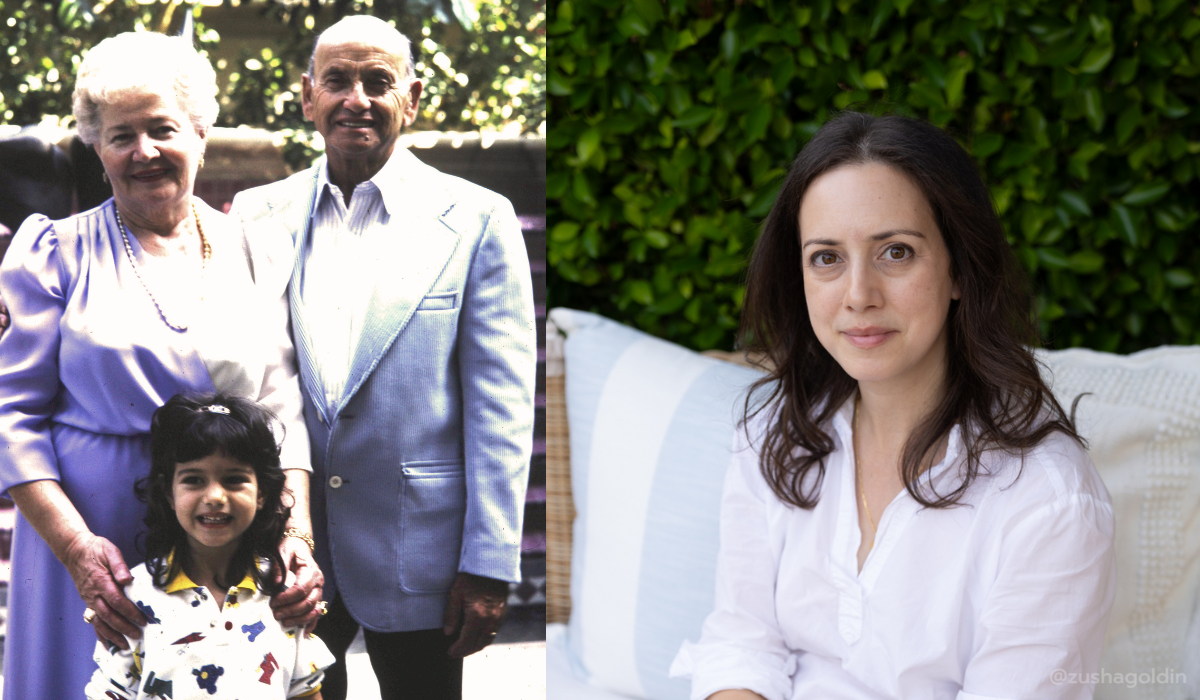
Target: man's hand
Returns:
[99, 572]
[296, 606]
[476, 607]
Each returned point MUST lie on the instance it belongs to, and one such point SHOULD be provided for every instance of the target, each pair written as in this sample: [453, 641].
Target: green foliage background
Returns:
[673, 122]
[483, 61]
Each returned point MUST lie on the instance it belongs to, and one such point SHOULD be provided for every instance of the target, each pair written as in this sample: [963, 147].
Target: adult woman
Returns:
[913, 514]
[114, 311]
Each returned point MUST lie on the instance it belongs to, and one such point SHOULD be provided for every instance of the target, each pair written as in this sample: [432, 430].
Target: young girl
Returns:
[216, 516]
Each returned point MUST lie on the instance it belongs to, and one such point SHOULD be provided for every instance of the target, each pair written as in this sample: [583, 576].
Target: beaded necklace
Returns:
[206, 253]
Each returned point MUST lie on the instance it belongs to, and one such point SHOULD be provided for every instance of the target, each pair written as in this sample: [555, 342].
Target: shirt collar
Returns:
[181, 581]
[391, 180]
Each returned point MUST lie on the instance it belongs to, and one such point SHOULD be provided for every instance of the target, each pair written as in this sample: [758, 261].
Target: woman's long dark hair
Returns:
[993, 388]
[183, 430]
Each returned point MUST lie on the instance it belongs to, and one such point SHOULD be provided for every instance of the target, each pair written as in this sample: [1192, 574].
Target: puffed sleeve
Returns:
[498, 364]
[312, 658]
[33, 283]
[117, 674]
[1041, 627]
[272, 261]
[741, 645]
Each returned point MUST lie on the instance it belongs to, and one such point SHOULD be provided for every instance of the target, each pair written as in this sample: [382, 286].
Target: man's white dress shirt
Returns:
[341, 268]
[1002, 596]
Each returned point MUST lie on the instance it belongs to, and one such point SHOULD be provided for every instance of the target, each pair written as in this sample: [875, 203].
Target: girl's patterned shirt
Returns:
[190, 648]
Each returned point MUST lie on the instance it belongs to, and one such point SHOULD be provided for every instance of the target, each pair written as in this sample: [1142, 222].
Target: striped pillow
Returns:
[651, 429]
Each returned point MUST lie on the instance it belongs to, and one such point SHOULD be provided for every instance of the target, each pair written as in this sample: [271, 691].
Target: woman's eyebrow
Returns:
[876, 237]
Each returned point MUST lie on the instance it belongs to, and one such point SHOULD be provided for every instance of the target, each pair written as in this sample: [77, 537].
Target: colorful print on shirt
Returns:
[197, 651]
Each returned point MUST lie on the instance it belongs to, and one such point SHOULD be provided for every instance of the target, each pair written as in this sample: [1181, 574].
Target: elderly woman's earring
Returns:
[104, 176]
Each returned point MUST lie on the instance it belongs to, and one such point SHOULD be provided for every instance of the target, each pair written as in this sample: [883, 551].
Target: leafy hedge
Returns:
[672, 124]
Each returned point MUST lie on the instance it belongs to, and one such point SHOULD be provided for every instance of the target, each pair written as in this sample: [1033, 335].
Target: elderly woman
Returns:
[114, 311]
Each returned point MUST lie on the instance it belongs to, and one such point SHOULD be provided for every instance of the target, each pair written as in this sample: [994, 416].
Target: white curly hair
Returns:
[142, 62]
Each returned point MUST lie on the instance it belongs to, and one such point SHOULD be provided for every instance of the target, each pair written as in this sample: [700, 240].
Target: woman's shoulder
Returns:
[72, 234]
[1057, 474]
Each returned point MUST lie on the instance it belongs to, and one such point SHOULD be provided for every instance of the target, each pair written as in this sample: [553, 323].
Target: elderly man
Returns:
[412, 312]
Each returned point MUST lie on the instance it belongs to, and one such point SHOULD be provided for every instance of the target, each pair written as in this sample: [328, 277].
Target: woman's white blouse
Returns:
[1003, 596]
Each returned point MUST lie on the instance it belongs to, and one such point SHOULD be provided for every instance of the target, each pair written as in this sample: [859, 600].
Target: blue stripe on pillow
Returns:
[680, 549]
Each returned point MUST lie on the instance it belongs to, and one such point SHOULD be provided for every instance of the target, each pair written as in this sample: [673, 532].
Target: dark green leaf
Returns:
[986, 144]
[1053, 258]
[1180, 278]
[1123, 221]
[564, 231]
[631, 23]
[641, 292]
[1086, 262]
[1146, 193]
[1075, 203]
[694, 116]
[757, 121]
[1096, 59]
[588, 142]
[657, 239]
[1093, 108]
[1130, 117]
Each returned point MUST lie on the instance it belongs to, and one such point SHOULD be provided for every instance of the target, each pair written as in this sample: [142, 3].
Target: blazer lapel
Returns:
[296, 214]
[420, 244]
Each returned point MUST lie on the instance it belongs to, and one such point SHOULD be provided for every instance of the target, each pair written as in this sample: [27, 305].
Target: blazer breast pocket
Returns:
[439, 302]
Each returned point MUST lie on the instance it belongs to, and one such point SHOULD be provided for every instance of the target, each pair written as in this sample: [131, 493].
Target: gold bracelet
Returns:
[308, 540]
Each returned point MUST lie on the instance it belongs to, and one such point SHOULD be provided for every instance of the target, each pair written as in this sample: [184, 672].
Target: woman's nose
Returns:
[863, 291]
[146, 149]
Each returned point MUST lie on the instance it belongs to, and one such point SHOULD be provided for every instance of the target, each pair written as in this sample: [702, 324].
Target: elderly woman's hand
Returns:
[99, 572]
[297, 605]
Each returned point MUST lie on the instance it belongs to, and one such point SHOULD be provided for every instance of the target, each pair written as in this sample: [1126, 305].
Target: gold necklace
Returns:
[205, 254]
[862, 491]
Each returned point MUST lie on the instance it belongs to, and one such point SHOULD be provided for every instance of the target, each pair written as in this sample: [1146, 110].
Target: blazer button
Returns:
[335, 482]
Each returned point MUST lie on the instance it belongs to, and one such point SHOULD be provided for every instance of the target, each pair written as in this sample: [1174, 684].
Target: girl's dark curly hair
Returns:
[183, 431]
[993, 387]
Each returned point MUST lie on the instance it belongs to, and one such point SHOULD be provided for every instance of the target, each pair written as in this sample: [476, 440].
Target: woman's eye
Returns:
[896, 252]
[825, 258]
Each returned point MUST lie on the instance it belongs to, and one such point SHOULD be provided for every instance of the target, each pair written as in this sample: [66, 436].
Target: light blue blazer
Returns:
[421, 470]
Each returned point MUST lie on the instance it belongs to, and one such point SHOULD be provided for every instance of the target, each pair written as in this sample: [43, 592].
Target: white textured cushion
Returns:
[1142, 423]
[651, 427]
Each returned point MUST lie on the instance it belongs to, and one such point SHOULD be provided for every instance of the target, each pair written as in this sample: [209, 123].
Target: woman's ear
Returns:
[261, 500]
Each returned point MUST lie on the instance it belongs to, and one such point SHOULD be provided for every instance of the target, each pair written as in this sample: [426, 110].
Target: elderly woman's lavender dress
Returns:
[86, 362]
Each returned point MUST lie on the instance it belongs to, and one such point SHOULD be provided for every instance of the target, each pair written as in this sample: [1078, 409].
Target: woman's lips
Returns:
[150, 175]
[866, 338]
